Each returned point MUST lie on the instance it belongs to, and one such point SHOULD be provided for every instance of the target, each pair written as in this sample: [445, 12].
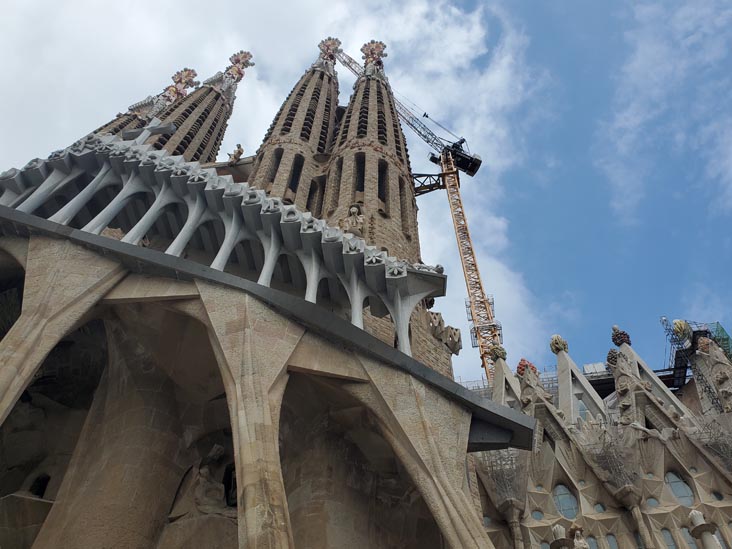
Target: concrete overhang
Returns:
[493, 426]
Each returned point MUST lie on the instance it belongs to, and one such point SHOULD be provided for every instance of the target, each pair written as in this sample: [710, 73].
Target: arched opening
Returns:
[342, 479]
[383, 187]
[359, 177]
[41, 431]
[274, 165]
[152, 451]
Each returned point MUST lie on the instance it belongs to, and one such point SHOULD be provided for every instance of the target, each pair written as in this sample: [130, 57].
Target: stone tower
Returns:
[186, 352]
[199, 118]
[139, 114]
[369, 174]
[290, 162]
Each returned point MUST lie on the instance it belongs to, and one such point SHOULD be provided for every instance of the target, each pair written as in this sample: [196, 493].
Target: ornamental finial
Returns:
[239, 61]
[620, 336]
[524, 366]
[329, 47]
[182, 80]
[373, 53]
[557, 343]
[496, 351]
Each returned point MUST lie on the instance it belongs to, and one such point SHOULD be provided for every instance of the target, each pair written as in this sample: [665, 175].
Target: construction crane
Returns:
[452, 157]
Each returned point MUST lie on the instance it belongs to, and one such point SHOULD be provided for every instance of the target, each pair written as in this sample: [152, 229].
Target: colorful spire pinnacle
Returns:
[329, 47]
[373, 53]
[153, 105]
[239, 61]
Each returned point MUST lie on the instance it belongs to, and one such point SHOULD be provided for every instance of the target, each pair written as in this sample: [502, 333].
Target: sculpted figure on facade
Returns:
[353, 223]
[236, 155]
[619, 366]
[532, 390]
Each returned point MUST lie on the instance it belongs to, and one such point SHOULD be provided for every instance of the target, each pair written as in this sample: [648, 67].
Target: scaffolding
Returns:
[716, 434]
[505, 472]
[612, 453]
[684, 345]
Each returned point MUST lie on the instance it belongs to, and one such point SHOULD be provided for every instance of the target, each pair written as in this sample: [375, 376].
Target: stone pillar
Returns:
[123, 476]
[703, 531]
[252, 344]
[430, 441]
[63, 282]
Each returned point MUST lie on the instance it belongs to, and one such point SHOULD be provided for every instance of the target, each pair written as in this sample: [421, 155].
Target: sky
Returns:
[605, 129]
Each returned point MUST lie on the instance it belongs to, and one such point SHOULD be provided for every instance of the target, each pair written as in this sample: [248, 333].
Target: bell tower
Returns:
[201, 117]
[368, 188]
[139, 114]
[290, 162]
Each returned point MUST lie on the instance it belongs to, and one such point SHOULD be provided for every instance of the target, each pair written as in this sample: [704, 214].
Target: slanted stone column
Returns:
[124, 473]
[703, 531]
[63, 282]
[252, 344]
[428, 435]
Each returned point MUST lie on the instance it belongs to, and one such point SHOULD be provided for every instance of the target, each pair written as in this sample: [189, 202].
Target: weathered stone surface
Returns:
[62, 283]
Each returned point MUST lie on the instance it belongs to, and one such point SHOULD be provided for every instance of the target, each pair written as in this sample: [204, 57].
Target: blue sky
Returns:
[605, 129]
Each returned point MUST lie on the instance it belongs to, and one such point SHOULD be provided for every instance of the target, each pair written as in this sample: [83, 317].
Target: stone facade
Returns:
[243, 354]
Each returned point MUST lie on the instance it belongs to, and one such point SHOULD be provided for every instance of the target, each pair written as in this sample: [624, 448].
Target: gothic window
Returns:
[359, 175]
[680, 489]
[718, 495]
[652, 502]
[323, 141]
[638, 541]
[565, 501]
[668, 539]
[380, 115]
[275, 165]
[690, 541]
[296, 173]
[599, 508]
[591, 542]
[537, 515]
[404, 207]
[612, 542]
[383, 186]
[544, 545]
[289, 119]
[363, 113]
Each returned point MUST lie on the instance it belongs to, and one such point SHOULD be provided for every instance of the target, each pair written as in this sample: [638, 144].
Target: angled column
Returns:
[62, 283]
[252, 343]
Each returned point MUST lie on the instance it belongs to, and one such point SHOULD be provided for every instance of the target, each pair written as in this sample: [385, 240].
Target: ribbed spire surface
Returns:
[369, 181]
[291, 161]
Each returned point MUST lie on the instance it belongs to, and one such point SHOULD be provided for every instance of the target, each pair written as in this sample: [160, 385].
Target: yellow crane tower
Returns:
[486, 332]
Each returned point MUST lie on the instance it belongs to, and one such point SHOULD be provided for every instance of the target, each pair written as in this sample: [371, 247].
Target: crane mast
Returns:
[486, 332]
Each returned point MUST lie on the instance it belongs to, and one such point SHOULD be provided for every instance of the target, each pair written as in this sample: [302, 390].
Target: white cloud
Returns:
[674, 46]
[75, 65]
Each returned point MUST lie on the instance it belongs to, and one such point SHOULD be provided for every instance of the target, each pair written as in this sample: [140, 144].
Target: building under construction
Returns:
[246, 353]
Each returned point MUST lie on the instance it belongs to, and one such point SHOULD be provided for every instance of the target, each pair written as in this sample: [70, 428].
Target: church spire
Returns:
[200, 118]
[140, 113]
[369, 177]
[291, 161]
